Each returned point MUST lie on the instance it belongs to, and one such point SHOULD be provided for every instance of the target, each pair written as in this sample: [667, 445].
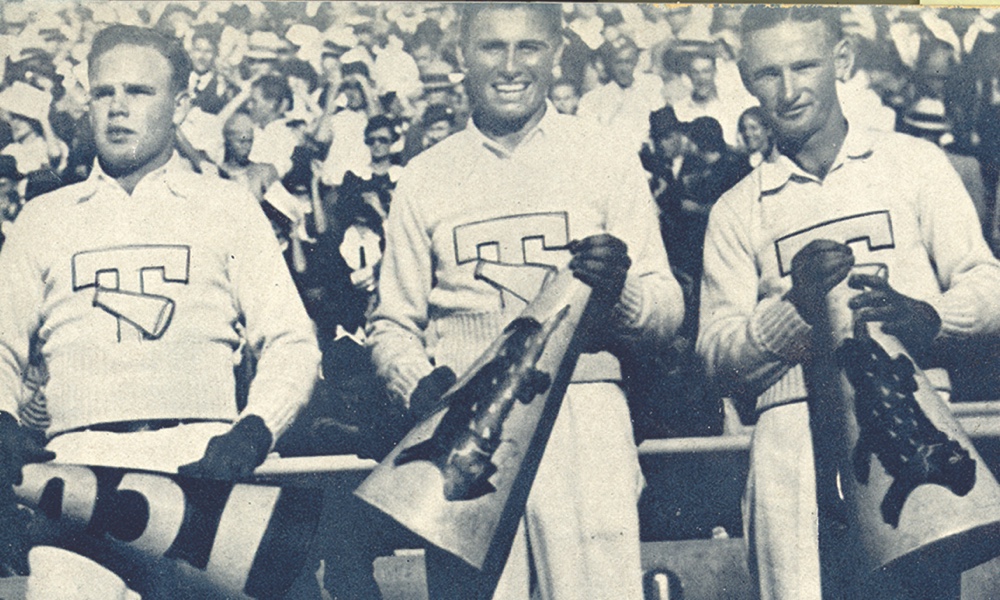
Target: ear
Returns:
[182, 104]
[744, 75]
[843, 59]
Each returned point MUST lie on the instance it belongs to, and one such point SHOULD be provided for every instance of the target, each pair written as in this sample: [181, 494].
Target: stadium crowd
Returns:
[317, 107]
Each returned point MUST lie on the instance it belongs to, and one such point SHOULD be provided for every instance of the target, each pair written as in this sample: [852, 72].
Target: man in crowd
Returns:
[80, 263]
[705, 101]
[494, 186]
[624, 103]
[758, 309]
[209, 91]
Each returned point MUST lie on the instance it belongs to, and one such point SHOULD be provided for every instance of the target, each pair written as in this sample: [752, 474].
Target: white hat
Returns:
[264, 45]
[927, 114]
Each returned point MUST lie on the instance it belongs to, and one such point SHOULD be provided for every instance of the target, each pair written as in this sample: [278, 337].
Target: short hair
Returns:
[381, 122]
[274, 88]
[760, 17]
[755, 112]
[551, 13]
[208, 36]
[706, 132]
[300, 69]
[129, 35]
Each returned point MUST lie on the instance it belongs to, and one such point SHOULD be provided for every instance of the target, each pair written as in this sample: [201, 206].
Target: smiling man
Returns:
[524, 188]
[131, 292]
[758, 308]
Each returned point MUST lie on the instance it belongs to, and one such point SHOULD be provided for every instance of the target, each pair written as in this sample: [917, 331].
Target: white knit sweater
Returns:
[894, 198]
[467, 203]
[135, 300]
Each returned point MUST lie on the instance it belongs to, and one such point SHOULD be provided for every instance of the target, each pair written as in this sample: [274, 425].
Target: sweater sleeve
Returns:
[967, 271]
[21, 295]
[396, 329]
[748, 343]
[651, 305]
[277, 326]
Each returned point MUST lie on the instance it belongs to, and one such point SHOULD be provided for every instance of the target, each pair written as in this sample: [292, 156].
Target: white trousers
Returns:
[779, 507]
[581, 522]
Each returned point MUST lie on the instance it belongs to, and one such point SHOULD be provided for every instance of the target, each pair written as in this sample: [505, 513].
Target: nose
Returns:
[511, 63]
[118, 105]
[789, 87]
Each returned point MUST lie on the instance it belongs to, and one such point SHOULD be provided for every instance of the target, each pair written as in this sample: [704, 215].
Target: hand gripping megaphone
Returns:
[901, 489]
[460, 479]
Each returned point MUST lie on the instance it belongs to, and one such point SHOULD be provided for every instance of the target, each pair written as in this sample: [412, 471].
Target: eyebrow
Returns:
[101, 91]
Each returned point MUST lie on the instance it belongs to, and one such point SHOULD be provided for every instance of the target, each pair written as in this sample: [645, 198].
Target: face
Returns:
[262, 110]
[509, 56]
[622, 67]
[133, 110]
[673, 145]
[202, 55]
[239, 138]
[794, 77]
[424, 56]
[565, 99]
[330, 65]
[355, 98]
[379, 143]
[702, 75]
[755, 135]
[436, 132]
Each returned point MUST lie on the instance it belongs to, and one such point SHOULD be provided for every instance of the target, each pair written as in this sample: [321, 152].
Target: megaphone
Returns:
[208, 538]
[460, 479]
[149, 313]
[900, 487]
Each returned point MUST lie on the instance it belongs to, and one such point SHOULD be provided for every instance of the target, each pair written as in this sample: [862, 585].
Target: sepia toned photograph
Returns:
[450, 301]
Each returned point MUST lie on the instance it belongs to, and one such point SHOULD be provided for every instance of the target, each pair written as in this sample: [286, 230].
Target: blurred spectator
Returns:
[757, 136]
[270, 98]
[35, 145]
[623, 104]
[343, 126]
[565, 96]
[209, 91]
[256, 177]
[705, 99]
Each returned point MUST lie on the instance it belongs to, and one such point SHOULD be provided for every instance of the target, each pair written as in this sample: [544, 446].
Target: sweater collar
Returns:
[540, 129]
[99, 180]
[858, 145]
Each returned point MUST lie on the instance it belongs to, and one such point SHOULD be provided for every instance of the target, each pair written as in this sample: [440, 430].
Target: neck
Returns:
[129, 179]
[815, 155]
[507, 134]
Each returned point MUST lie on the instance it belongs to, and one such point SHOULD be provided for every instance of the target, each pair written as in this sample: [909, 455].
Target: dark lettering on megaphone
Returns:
[240, 538]
[893, 427]
[463, 444]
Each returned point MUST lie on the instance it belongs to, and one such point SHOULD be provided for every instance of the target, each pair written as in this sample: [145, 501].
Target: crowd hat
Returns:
[264, 45]
[927, 115]
[338, 41]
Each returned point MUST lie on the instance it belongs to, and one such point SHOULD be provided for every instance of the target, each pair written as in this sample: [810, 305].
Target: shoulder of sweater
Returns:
[49, 206]
[440, 158]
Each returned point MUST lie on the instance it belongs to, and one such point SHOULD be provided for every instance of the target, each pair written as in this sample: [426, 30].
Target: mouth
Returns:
[510, 91]
[793, 112]
[118, 134]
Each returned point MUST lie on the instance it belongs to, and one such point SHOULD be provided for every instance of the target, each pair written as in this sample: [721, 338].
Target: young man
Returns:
[758, 307]
[519, 187]
[86, 266]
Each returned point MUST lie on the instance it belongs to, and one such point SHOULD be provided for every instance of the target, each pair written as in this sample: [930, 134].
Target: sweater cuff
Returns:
[957, 312]
[403, 379]
[778, 328]
[628, 310]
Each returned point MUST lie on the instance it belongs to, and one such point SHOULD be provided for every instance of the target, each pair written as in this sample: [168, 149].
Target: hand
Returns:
[426, 397]
[18, 447]
[364, 279]
[234, 454]
[913, 322]
[602, 262]
[817, 269]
